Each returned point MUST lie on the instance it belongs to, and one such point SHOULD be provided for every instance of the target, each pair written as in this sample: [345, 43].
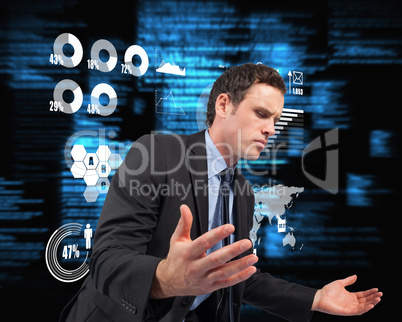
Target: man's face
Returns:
[248, 127]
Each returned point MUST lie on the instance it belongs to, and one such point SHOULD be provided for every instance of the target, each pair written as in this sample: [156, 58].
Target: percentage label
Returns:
[93, 109]
[54, 261]
[93, 64]
[55, 106]
[69, 250]
[56, 59]
[126, 69]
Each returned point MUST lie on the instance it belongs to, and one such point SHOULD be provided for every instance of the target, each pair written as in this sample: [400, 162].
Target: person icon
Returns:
[88, 236]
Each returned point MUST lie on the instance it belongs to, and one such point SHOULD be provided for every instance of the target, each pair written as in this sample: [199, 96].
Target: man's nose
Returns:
[269, 127]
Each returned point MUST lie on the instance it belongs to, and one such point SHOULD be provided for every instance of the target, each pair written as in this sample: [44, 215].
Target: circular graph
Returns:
[104, 88]
[128, 60]
[103, 44]
[68, 251]
[61, 87]
[72, 40]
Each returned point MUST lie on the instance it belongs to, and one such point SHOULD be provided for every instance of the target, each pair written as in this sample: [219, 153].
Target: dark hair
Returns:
[237, 80]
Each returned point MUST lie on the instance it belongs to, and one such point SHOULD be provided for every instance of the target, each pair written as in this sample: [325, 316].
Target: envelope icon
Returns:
[297, 78]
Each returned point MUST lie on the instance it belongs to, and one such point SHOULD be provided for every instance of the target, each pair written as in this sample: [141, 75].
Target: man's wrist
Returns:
[316, 301]
[158, 288]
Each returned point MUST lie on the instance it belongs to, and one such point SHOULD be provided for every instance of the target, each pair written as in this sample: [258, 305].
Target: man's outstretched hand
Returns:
[187, 270]
[333, 298]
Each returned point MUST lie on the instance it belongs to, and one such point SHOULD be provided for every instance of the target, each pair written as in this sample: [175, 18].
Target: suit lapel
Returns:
[198, 167]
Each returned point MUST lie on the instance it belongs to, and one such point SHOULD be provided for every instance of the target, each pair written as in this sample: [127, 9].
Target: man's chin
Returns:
[253, 152]
[252, 157]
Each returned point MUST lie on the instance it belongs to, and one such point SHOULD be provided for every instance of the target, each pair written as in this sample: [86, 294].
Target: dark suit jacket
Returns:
[140, 214]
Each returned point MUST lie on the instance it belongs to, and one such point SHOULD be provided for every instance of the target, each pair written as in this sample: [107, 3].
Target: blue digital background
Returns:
[350, 53]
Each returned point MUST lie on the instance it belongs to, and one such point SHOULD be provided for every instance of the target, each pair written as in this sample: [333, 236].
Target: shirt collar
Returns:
[216, 163]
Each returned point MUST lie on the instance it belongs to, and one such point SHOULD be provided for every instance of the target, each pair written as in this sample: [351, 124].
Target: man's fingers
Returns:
[225, 254]
[374, 299]
[230, 269]
[365, 294]
[210, 238]
[367, 305]
[235, 279]
[371, 295]
[183, 228]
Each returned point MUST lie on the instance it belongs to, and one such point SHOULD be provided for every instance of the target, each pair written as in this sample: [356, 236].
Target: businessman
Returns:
[172, 239]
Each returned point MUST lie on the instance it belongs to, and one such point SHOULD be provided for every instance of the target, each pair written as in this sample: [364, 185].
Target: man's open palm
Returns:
[187, 270]
[333, 298]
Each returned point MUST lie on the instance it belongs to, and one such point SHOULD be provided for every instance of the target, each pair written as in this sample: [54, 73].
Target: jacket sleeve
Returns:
[290, 301]
[120, 266]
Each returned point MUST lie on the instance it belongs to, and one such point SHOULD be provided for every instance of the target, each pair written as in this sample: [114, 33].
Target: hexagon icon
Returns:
[115, 160]
[91, 177]
[91, 194]
[103, 153]
[103, 185]
[91, 161]
[78, 169]
[78, 152]
[103, 169]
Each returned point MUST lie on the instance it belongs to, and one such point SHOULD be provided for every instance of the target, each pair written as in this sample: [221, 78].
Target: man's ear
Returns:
[221, 105]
